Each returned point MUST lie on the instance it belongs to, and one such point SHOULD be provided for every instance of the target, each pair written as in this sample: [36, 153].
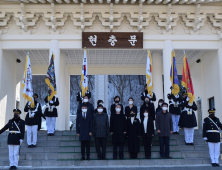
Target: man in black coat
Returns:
[51, 114]
[16, 128]
[113, 106]
[147, 133]
[32, 120]
[164, 127]
[100, 131]
[188, 119]
[90, 108]
[84, 129]
[131, 107]
[211, 134]
[133, 134]
[149, 106]
[118, 131]
[174, 109]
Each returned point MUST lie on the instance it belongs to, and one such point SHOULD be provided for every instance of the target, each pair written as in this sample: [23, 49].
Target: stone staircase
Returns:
[63, 149]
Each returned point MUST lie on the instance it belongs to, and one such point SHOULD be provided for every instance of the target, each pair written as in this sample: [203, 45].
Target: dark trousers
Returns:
[164, 142]
[121, 149]
[147, 145]
[100, 142]
[85, 145]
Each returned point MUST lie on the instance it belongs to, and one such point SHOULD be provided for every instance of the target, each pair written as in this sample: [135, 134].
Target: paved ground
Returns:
[186, 167]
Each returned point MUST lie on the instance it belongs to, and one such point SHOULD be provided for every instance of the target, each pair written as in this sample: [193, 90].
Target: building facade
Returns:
[45, 26]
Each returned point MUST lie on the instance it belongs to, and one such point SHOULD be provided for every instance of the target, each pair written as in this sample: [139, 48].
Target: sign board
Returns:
[112, 40]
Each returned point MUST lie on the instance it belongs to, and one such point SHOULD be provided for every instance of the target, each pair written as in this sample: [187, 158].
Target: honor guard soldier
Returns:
[51, 114]
[32, 121]
[16, 128]
[146, 94]
[211, 134]
[79, 97]
[188, 119]
[174, 109]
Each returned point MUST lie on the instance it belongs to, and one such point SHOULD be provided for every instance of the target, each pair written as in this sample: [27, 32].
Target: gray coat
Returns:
[164, 123]
[100, 125]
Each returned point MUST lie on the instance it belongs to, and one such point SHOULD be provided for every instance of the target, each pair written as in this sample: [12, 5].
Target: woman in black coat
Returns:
[133, 133]
[131, 107]
[147, 133]
[113, 106]
[159, 108]
[100, 102]
[149, 106]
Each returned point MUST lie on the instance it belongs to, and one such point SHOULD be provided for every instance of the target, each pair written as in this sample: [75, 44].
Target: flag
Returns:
[84, 75]
[27, 82]
[187, 81]
[50, 79]
[173, 75]
[149, 74]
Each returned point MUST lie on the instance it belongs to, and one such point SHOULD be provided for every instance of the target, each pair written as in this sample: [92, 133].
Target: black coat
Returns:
[144, 94]
[158, 109]
[209, 125]
[40, 121]
[118, 127]
[150, 108]
[79, 97]
[100, 125]
[164, 123]
[149, 128]
[133, 133]
[90, 108]
[55, 103]
[113, 109]
[128, 110]
[14, 139]
[188, 120]
[104, 110]
[84, 126]
[33, 120]
[174, 104]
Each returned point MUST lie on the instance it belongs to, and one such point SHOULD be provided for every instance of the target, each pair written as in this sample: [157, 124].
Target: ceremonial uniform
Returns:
[16, 128]
[51, 114]
[146, 94]
[31, 122]
[79, 97]
[174, 109]
[133, 133]
[188, 120]
[211, 134]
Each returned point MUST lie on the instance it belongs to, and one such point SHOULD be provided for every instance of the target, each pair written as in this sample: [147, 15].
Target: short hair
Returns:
[164, 104]
[130, 98]
[118, 105]
[84, 105]
[161, 100]
[116, 97]
[99, 106]
[146, 110]
[98, 102]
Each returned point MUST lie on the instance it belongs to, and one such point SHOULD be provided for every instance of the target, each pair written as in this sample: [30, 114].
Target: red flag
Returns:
[187, 81]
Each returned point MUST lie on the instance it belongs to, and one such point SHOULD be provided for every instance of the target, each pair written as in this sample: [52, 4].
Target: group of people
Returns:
[123, 124]
[32, 122]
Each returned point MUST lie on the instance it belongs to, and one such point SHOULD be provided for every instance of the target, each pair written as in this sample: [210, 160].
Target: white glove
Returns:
[177, 96]
[33, 114]
[205, 138]
[21, 141]
[188, 99]
[190, 104]
[51, 102]
[148, 95]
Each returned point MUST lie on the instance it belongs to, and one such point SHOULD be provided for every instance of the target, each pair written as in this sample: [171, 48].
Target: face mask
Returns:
[16, 116]
[146, 101]
[164, 108]
[160, 104]
[118, 109]
[145, 114]
[85, 100]
[116, 101]
[212, 115]
[100, 110]
[132, 115]
[130, 102]
[84, 110]
[101, 104]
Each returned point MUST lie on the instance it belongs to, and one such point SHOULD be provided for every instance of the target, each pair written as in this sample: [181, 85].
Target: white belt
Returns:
[14, 132]
[217, 131]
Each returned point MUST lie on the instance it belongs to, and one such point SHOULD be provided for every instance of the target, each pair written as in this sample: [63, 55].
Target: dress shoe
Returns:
[177, 133]
[168, 157]
[83, 158]
[122, 157]
[148, 157]
[99, 157]
[52, 134]
[48, 134]
[192, 144]
[14, 167]
[217, 164]
[104, 158]
[162, 157]
[174, 133]
[213, 164]
[33, 146]
[88, 158]
[29, 146]
[114, 158]
[187, 143]
[11, 167]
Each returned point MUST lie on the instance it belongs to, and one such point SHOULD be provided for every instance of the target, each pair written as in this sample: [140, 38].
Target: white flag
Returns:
[27, 82]
[149, 73]
[84, 78]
